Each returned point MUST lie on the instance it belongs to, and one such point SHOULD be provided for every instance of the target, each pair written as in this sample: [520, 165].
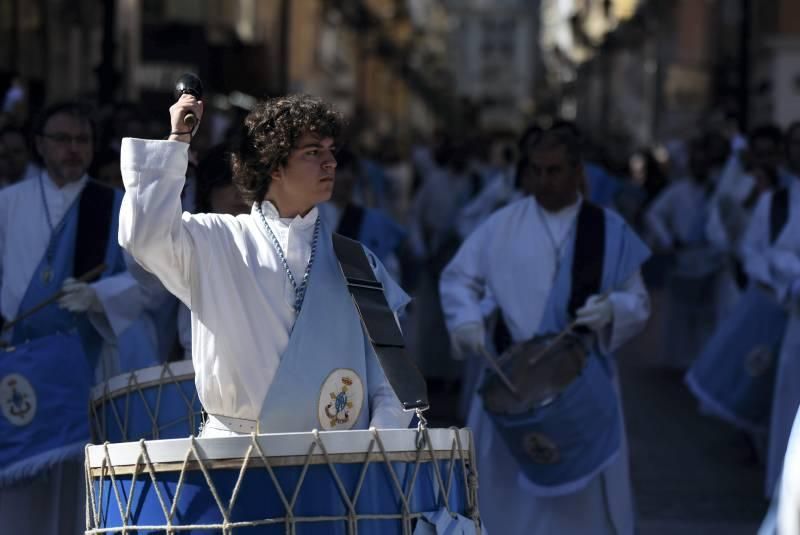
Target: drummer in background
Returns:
[43, 245]
[782, 273]
[277, 341]
[516, 256]
[676, 222]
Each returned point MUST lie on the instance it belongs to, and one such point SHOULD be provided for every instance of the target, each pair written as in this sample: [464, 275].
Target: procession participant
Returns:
[734, 376]
[786, 399]
[676, 222]
[54, 228]
[547, 259]
[275, 334]
[788, 520]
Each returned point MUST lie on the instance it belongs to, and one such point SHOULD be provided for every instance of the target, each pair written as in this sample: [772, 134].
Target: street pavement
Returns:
[692, 474]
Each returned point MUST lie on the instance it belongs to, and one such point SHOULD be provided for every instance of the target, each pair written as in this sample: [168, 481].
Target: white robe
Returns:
[776, 266]
[786, 401]
[56, 496]
[676, 219]
[227, 271]
[604, 506]
[788, 510]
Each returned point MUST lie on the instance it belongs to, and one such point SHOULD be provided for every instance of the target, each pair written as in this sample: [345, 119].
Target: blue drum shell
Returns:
[318, 498]
[568, 441]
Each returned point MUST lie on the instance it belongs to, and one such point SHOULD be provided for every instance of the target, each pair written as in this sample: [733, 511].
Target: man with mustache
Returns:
[554, 263]
[276, 338]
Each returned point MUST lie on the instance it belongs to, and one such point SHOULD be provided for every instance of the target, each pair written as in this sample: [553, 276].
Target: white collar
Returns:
[271, 214]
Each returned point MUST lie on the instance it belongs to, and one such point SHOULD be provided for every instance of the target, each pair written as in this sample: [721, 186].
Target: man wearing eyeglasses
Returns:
[559, 268]
[56, 226]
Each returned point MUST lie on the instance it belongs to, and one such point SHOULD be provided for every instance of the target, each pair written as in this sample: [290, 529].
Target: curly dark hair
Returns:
[270, 132]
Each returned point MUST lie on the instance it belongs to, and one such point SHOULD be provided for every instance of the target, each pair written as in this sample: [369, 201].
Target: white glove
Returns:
[79, 297]
[468, 339]
[596, 313]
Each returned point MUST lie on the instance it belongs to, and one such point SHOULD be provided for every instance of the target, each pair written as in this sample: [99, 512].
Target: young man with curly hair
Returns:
[277, 344]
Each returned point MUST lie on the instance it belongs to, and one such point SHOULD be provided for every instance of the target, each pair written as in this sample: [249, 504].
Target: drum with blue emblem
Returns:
[563, 424]
[150, 403]
[332, 482]
[734, 376]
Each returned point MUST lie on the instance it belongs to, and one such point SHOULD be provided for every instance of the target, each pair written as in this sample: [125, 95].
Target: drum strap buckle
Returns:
[422, 426]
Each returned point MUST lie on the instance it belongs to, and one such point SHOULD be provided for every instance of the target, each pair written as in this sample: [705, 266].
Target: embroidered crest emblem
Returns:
[341, 400]
[758, 361]
[17, 399]
[540, 449]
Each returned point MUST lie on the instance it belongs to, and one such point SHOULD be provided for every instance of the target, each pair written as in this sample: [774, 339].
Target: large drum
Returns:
[151, 403]
[563, 423]
[389, 481]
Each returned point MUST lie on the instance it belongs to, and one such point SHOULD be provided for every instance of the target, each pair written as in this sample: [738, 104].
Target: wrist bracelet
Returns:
[187, 133]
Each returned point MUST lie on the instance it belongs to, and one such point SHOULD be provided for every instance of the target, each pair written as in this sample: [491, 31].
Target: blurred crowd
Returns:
[707, 205]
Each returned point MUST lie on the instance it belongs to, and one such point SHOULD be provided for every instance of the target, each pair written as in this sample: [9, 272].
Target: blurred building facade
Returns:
[638, 71]
[493, 53]
[387, 63]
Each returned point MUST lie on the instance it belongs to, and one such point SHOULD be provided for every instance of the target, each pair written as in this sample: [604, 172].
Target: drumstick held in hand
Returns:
[568, 329]
[86, 277]
[503, 377]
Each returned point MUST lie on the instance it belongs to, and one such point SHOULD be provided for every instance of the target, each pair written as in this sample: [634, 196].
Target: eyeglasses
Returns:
[66, 139]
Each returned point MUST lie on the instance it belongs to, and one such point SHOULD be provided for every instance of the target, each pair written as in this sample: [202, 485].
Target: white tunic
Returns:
[775, 265]
[24, 237]
[788, 515]
[57, 494]
[507, 507]
[672, 216]
[227, 271]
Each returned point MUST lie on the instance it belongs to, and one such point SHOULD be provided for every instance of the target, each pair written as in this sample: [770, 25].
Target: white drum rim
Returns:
[341, 446]
[179, 370]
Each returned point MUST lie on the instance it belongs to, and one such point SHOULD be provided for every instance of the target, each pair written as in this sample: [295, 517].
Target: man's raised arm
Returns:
[151, 225]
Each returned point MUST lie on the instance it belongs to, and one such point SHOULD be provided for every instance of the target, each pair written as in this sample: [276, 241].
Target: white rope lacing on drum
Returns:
[136, 389]
[255, 454]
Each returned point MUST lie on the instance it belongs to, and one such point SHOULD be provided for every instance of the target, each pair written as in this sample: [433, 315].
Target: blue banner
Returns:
[44, 399]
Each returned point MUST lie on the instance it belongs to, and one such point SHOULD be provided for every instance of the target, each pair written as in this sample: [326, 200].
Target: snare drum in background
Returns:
[151, 403]
[331, 482]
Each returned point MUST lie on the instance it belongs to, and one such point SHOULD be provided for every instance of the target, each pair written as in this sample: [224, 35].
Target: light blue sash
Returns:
[52, 319]
[327, 336]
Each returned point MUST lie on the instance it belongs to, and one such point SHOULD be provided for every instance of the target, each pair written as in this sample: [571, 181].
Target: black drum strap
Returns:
[380, 325]
[350, 224]
[94, 226]
[589, 255]
[778, 213]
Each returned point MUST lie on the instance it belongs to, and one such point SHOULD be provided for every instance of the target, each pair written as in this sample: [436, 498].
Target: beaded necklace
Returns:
[55, 232]
[299, 291]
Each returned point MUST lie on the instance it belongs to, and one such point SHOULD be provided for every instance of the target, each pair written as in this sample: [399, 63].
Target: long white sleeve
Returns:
[463, 282]
[122, 300]
[657, 218]
[631, 305]
[151, 227]
[755, 243]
